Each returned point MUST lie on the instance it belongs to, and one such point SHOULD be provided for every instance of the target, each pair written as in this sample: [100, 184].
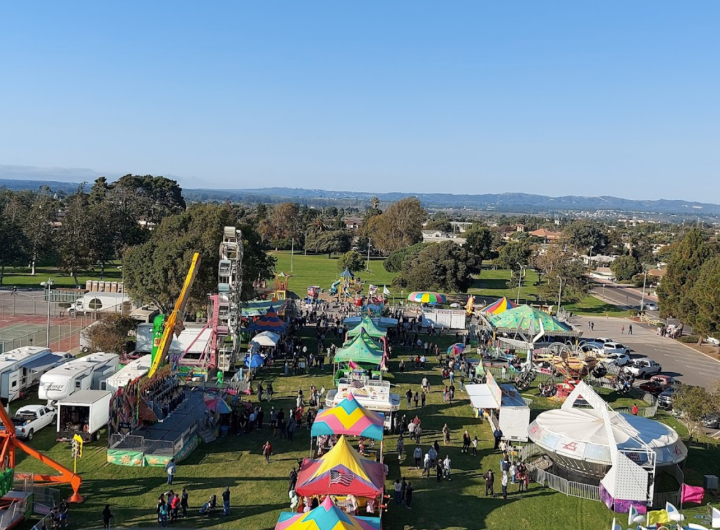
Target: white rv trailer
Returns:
[22, 368]
[85, 373]
[130, 372]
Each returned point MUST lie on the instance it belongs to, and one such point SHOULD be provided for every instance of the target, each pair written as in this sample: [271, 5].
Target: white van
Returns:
[85, 373]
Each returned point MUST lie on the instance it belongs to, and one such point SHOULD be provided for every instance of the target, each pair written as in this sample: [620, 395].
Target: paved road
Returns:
[623, 295]
[690, 366]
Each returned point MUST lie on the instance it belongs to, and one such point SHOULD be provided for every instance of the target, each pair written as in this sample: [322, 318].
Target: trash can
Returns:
[710, 482]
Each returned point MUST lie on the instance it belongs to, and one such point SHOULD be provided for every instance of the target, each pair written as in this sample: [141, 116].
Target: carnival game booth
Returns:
[326, 516]
[373, 396]
[342, 472]
[506, 408]
[621, 453]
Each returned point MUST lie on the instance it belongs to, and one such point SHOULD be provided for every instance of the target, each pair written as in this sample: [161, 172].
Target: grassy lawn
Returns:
[259, 491]
[493, 284]
[323, 271]
[21, 277]
[591, 306]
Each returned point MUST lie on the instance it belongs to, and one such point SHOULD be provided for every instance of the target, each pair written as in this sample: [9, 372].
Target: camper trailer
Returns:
[86, 373]
[94, 302]
[130, 372]
[22, 368]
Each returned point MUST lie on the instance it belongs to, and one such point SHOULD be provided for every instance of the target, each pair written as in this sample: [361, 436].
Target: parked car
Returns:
[644, 368]
[658, 384]
[665, 399]
[616, 358]
[713, 341]
[651, 307]
[712, 421]
[615, 347]
[31, 418]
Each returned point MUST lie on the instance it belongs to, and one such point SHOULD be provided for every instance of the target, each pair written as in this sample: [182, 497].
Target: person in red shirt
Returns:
[267, 451]
[635, 409]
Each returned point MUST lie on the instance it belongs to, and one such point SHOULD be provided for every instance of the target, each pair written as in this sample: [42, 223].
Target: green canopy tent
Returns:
[369, 327]
[527, 319]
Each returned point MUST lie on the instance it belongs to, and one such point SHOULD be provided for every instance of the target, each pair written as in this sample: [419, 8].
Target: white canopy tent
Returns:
[266, 338]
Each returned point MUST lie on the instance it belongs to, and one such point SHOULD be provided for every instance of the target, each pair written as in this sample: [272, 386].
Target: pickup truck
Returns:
[30, 419]
[644, 368]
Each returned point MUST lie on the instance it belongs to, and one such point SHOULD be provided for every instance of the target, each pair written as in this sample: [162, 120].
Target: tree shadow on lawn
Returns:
[490, 284]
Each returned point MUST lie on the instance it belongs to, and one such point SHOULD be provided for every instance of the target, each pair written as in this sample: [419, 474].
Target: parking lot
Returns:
[678, 360]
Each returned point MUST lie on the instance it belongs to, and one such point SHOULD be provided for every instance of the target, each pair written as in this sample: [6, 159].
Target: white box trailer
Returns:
[193, 340]
[22, 368]
[93, 302]
[130, 372]
[514, 415]
[84, 413]
[85, 373]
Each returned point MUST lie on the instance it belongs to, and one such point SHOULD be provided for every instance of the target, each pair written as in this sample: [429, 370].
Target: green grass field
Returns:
[21, 277]
[259, 491]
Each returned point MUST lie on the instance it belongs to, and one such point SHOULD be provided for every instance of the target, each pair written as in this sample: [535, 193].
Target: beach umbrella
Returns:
[456, 349]
[427, 297]
[217, 404]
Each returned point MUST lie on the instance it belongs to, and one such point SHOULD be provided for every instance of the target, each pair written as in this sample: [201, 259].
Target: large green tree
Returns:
[681, 274]
[37, 227]
[443, 266]
[625, 267]
[351, 261]
[398, 226]
[13, 245]
[73, 239]
[515, 255]
[706, 293]
[329, 242]
[480, 240]
[153, 198]
[586, 236]
[394, 262]
[155, 271]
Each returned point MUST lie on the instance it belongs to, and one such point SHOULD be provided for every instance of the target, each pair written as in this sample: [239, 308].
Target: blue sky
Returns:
[612, 98]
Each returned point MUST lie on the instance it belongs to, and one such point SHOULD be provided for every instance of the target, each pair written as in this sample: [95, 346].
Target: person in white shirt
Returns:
[504, 484]
[447, 467]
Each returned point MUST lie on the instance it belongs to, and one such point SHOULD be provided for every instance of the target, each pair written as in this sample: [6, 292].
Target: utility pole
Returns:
[368, 257]
[292, 252]
[48, 285]
[642, 299]
[559, 295]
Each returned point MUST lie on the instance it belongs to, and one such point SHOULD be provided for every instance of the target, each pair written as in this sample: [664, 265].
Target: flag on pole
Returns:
[657, 517]
[692, 494]
[385, 290]
[372, 289]
[352, 365]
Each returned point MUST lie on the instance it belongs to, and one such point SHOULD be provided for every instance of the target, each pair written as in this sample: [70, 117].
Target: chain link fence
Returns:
[63, 336]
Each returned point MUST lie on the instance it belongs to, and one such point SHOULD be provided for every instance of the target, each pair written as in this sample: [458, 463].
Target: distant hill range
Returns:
[497, 202]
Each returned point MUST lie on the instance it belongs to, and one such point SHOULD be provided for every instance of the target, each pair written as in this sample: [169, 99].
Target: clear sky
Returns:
[615, 98]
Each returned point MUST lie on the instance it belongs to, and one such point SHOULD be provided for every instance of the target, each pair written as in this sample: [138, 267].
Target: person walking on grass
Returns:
[226, 501]
[170, 470]
[466, 443]
[439, 470]
[504, 485]
[184, 502]
[397, 487]
[408, 495]
[427, 463]
[107, 515]
[408, 397]
[416, 398]
[418, 454]
[446, 434]
[267, 450]
[422, 399]
[474, 446]
[489, 483]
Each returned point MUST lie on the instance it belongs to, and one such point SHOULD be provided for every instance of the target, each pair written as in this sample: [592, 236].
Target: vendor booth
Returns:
[505, 406]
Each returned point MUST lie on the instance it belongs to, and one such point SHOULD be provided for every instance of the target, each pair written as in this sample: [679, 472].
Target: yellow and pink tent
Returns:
[327, 516]
[341, 471]
[351, 418]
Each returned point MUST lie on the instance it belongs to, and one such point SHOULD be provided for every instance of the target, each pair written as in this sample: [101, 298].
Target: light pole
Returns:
[521, 274]
[48, 286]
[559, 295]
[367, 267]
[642, 299]
[292, 252]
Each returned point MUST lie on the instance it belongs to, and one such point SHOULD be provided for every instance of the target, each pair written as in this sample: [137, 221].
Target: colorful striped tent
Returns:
[351, 418]
[500, 306]
[270, 321]
[341, 471]
[527, 319]
[327, 516]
